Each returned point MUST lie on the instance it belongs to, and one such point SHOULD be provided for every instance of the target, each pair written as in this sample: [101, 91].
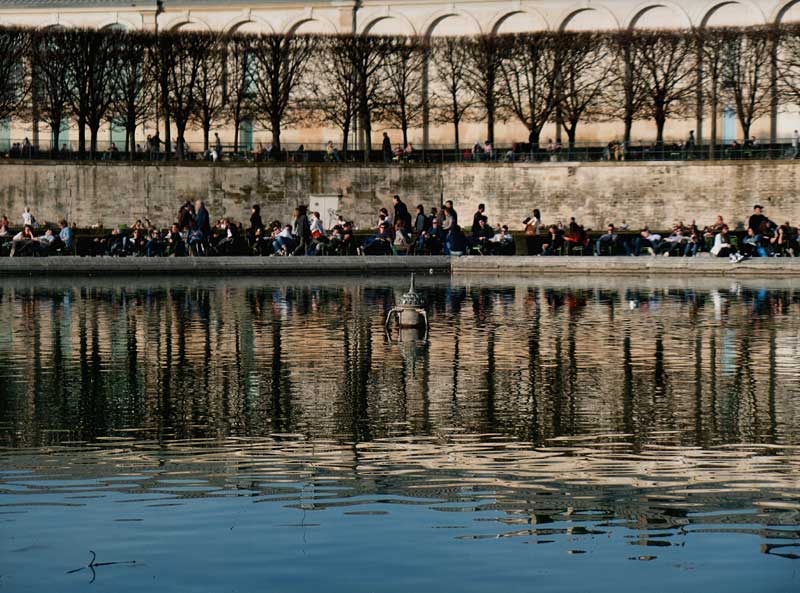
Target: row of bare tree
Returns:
[183, 80]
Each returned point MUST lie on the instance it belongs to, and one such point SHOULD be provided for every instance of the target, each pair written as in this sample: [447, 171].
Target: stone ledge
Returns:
[471, 265]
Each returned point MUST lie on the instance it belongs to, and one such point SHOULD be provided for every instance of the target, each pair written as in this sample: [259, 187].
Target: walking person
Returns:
[387, 149]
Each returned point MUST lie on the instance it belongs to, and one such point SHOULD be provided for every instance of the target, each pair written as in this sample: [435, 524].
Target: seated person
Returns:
[456, 243]
[722, 244]
[284, 242]
[553, 241]
[47, 241]
[673, 244]
[66, 238]
[175, 245]
[380, 243]
[402, 239]
[753, 245]
[481, 236]
[431, 241]
[646, 240]
[503, 242]
[611, 243]
[24, 244]
[155, 245]
[136, 244]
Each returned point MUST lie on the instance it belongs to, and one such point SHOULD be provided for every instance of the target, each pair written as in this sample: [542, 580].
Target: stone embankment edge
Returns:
[468, 266]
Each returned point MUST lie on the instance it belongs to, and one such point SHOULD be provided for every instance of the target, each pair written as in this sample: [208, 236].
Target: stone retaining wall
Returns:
[657, 194]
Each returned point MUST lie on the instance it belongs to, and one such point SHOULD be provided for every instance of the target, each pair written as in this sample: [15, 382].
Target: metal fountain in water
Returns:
[410, 314]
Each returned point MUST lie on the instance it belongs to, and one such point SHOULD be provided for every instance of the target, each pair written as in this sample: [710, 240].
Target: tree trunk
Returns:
[456, 133]
[56, 133]
[572, 132]
[206, 133]
[628, 127]
[81, 133]
[713, 140]
[236, 124]
[345, 135]
[276, 135]
[661, 120]
[490, 126]
[94, 129]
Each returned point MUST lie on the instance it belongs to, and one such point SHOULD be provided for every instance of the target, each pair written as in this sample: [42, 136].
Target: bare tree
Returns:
[666, 61]
[789, 62]
[367, 54]
[134, 84]
[530, 79]
[279, 63]
[51, 83]
[404, 66]
[746, 74]
[586, 70]
[333, 85]
[209, 90]
[239, 83]
[714, 44]
[179, 58]
[630, 84]
[485, 56]
[91, 57]
[452, 98]
[15, 46]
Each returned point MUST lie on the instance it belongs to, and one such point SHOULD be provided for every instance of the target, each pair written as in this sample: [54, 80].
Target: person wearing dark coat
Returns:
[401, 213]
[255, 222]
[476, 220]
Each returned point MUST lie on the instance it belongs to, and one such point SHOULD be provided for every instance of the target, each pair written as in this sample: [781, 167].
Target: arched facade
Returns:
[426, 18]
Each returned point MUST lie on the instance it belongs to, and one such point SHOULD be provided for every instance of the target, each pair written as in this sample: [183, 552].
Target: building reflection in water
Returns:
[535, 361]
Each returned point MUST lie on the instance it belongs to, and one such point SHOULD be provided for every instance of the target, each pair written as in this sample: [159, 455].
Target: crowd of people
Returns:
[398, 231]
[35, 239]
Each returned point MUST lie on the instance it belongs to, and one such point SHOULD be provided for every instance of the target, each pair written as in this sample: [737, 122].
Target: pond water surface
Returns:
[266, 435]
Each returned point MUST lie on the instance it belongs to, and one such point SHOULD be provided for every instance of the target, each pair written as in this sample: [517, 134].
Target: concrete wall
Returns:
[657, 194]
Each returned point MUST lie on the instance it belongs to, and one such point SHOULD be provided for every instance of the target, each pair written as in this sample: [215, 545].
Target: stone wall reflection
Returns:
[533, 361]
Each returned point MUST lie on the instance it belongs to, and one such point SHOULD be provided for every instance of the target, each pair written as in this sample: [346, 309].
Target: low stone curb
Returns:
[376, 265]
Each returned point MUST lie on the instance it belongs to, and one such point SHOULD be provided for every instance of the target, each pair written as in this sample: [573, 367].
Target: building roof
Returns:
[8, 4]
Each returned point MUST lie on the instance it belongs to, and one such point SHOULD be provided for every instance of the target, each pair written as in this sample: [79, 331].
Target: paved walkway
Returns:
[472, 265]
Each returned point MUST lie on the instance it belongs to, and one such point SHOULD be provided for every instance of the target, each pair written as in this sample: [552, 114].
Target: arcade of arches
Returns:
[424, 18]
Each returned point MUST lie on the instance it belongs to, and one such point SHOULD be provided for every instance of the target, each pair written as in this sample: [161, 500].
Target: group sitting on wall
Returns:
[396, 232]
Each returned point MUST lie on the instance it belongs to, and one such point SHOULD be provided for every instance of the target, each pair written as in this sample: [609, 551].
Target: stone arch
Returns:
[120, 21]
[705, 15]
[583, 7]
[435, 19]
[371, 23]
[502, 17]
[633, 18]
[293, 25]
[780, 11]
[181, 20]
[242, 20]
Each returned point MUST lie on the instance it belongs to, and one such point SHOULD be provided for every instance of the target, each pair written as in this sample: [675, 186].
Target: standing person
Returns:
[301, 229]
[387, 148]
[401, 213]
[449, 213]
[218, 146]
[533, 228]
[795, 144]
[27, 217]
[200, 237]
[421, 222]
[476, 218]
[255, 222]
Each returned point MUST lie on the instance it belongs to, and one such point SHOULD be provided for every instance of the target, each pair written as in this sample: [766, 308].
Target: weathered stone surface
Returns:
[657, 194]
[327, 267]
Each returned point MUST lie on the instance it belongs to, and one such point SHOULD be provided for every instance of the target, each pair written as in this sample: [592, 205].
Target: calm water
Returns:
[261, 435]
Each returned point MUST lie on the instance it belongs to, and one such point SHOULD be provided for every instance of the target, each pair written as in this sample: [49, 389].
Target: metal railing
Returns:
[319, 153]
